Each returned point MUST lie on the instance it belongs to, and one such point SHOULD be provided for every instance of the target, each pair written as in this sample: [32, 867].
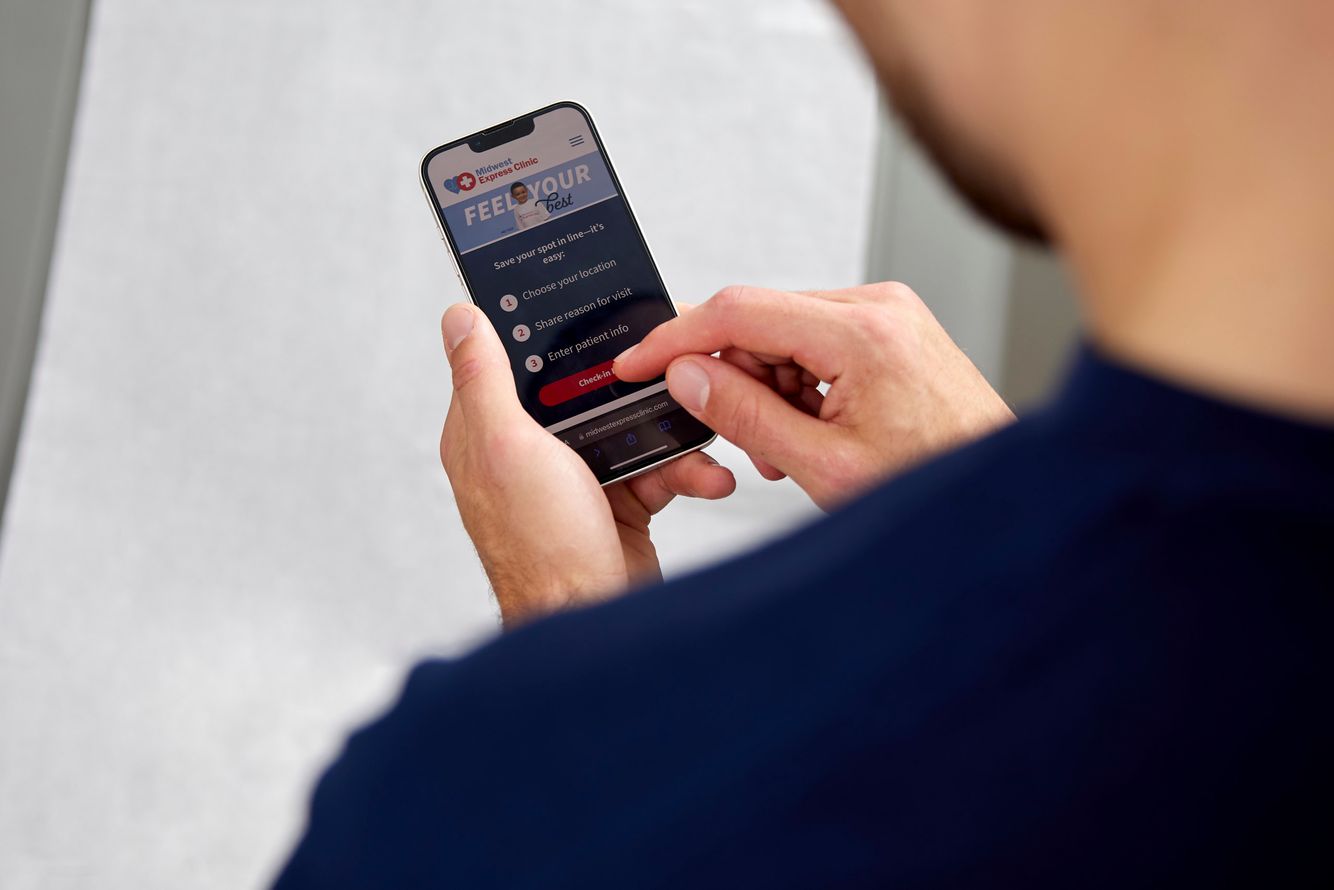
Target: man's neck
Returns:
[1220, 276]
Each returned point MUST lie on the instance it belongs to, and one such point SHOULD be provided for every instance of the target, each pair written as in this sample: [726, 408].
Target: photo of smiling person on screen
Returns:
[527, 214]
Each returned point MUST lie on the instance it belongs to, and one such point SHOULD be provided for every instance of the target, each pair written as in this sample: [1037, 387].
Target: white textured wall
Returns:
[228, 533]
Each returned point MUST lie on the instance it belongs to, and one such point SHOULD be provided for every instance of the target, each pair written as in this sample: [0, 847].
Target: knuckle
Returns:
[446, 450]
[874, 322]
[466, 371]
[449, 450]
[477, 461]
[743, 419]
[501, 448]
[731, 298]
[843, 467]
[452, 439]
[674, 479]
[898, 293]
[729, 293]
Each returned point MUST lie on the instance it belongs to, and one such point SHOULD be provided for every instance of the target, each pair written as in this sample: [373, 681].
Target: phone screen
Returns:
[550, 251]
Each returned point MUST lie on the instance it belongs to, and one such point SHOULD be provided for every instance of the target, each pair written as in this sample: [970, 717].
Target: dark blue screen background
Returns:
[645, 308]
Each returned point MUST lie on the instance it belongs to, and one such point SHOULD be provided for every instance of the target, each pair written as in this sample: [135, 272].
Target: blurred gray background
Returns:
[226, 534]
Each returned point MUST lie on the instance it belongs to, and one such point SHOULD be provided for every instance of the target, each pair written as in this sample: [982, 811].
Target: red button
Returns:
[577, 384]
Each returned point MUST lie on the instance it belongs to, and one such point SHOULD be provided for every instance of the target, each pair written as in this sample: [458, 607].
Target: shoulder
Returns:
[1019, 629]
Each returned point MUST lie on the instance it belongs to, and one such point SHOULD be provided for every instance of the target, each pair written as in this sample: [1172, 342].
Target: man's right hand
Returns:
[900, 390]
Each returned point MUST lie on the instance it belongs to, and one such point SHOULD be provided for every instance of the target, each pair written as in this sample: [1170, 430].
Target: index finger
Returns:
[814, 333]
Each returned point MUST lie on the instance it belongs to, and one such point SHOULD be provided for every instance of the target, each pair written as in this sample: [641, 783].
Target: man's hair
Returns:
[517, 185]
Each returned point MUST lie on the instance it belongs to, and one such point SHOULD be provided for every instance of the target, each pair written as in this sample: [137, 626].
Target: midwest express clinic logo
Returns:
[466, 182]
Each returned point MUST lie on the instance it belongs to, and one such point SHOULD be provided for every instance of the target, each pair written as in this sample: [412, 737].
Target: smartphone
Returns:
[544, 242]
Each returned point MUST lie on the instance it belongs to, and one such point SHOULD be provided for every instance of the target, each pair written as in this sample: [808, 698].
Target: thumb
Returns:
[747, 413]
[483, 382]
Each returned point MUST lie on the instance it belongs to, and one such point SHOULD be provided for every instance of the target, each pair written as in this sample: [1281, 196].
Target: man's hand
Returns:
[900, 390]
[548, 535]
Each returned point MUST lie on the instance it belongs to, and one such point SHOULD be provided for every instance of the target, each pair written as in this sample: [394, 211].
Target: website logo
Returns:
[464, 182]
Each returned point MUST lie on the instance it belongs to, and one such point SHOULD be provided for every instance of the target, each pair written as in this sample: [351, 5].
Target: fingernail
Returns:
[623, 356]
[457, 325]
[689, 383]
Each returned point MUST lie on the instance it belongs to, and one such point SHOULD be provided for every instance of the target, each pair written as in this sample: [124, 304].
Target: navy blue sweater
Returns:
[1091, 650]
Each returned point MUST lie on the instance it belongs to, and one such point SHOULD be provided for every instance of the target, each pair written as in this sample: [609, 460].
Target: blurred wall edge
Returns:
[1009, 305]
[41, 55]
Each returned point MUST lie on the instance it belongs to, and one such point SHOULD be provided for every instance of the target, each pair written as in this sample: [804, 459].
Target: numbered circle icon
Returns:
[533, 363]
[521, 332]
[509, 303]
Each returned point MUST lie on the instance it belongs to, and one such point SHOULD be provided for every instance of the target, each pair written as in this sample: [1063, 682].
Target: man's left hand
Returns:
[549, 536]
